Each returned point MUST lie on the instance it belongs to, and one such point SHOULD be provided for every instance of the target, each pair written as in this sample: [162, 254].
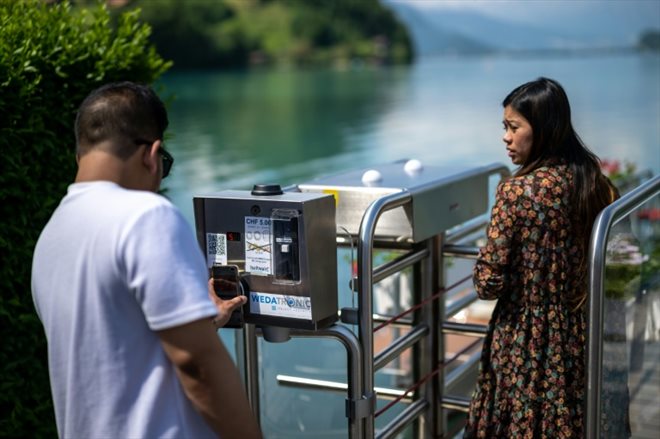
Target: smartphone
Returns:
[227, 285]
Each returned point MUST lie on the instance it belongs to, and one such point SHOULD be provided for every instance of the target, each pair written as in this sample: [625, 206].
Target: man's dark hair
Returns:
[123, 114]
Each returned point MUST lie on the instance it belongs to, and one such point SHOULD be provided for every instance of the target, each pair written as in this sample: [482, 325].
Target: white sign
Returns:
[293, 307]
[258, 245]
[216, 249]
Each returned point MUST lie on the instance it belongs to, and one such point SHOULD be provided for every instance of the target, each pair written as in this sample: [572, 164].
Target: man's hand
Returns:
[224, 307]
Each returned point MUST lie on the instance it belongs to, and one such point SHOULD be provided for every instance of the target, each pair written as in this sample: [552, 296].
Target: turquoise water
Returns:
[231, 130]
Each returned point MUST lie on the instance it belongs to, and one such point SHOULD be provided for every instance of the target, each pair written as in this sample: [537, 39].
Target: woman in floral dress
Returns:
[532, 371]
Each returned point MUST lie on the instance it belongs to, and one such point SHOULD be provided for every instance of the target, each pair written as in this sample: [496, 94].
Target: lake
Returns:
[230, 130]
[235, 129]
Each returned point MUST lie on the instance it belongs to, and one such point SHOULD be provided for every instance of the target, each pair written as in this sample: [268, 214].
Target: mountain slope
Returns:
[468, 29]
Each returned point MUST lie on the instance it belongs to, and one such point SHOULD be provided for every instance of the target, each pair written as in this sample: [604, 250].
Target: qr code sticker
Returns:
[216, 249]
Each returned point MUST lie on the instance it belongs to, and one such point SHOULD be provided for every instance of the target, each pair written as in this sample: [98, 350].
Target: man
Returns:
[120, 285]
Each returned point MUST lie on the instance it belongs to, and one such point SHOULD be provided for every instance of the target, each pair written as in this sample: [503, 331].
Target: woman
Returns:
[531, 381]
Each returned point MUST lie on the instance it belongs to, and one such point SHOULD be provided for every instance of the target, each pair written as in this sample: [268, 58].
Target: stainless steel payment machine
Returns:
[284, 245]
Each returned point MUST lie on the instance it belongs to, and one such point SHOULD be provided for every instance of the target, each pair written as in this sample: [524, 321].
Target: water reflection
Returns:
[273, 119]
[234, 129]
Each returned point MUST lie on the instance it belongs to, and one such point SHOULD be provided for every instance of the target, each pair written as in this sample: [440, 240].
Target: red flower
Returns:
[652, 214]
[610, 167]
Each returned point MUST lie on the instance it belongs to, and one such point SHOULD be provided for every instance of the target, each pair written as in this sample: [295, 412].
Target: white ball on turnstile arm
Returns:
[413, 166]
[371, 177]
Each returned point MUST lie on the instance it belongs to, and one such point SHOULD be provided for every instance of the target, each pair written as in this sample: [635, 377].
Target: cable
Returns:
[427, 377]
[422, 303]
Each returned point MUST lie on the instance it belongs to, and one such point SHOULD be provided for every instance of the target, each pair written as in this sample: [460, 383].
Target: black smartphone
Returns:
[227, 285]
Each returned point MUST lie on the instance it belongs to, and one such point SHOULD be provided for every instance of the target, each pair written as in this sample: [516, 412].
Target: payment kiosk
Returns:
[283, 247]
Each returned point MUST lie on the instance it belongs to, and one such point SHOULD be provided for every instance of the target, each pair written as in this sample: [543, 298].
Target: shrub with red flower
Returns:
[617, 172]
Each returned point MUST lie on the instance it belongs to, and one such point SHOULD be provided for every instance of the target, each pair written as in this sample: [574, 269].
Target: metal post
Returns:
[597, 259]
[437, 267]
[251, 360]
[429, 352]
[365, 293]
[355, 407]
[422, 352]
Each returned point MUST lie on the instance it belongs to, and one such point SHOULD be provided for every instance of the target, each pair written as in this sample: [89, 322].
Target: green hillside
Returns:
[202, 34]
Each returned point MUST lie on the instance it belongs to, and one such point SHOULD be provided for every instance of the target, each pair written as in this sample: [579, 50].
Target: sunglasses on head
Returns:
[167, 158]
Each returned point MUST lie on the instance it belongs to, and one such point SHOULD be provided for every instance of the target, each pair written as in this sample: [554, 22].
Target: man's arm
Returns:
[210, 379]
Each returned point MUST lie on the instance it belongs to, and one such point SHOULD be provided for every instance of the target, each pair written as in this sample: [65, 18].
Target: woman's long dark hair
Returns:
[545, 106]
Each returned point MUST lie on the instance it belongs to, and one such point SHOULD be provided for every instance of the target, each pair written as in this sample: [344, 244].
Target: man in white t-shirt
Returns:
[121, 287]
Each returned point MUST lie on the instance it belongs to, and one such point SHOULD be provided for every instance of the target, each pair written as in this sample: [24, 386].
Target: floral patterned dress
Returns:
[531, 379]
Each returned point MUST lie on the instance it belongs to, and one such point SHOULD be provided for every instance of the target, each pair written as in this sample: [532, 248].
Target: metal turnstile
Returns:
[423, 213]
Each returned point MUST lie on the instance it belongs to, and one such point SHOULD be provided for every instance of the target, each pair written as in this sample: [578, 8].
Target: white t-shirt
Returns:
[111, 267]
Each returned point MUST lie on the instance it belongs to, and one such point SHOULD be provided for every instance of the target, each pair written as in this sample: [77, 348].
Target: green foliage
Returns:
[622, 280]
[51, 57]
[632, 264]
[233, 33]
[185, 31]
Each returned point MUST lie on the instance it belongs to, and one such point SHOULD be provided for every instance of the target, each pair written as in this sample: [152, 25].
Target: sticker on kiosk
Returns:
[293, 307]
[216, 249]
[258, 246]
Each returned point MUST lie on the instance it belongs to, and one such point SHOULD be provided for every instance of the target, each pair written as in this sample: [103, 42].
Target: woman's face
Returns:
[517, 136]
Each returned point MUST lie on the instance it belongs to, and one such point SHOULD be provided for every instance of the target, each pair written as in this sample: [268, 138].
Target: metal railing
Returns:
[597, 259]
[430, 358]
[425, 399]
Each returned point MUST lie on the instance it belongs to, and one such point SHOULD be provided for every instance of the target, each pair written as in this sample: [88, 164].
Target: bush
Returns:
[51, 57]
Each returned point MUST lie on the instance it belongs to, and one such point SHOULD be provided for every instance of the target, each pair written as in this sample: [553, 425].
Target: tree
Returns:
[202, 34]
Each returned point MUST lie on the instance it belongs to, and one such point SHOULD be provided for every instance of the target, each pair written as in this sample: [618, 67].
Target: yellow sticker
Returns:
[334, 193]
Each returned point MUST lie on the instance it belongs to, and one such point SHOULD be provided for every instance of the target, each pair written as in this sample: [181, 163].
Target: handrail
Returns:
[458, 403]
[461, 303]
[355, 402]
[428, 399]
[365, 276]
[464, 251]
[403, 419]
[400, 344]
[469, 227]
[365, 273]
[403, 322]
[339, 387]
[597, 252]
[459, 372]
[467, 329]
[399, 264]
[500, 168]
